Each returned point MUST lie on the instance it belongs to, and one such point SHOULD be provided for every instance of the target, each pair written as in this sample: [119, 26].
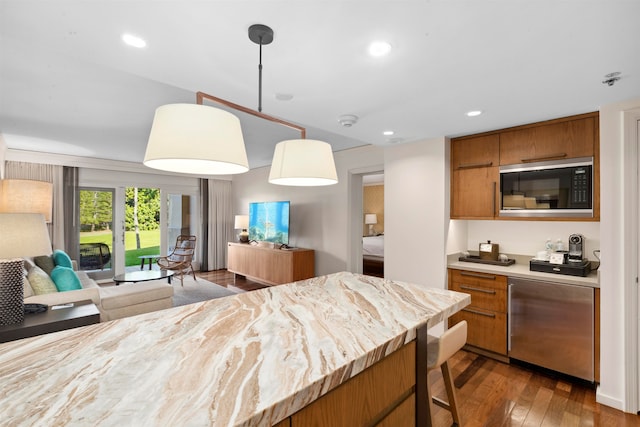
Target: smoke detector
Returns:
[348, 120]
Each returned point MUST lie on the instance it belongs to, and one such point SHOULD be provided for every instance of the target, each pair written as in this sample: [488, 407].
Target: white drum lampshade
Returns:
[303, 162]
[242, 223]
[196, 139]
[23, 235]
[26, 196]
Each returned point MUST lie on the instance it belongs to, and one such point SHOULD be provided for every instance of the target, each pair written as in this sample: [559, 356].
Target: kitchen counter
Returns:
[250, 359]
[521, 269]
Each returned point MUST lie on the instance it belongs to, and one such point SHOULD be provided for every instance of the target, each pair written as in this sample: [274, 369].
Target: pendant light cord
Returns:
[260, 79]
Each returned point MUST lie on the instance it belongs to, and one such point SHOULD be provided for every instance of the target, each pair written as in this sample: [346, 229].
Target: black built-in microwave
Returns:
[558, 188]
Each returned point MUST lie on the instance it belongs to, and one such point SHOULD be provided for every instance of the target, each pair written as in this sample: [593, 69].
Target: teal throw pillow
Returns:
[45, 262]
[65, 279]
[62, 259]
[40, 282]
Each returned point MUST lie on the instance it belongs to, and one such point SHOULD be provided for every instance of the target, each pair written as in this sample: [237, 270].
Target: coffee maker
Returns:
[576, 248]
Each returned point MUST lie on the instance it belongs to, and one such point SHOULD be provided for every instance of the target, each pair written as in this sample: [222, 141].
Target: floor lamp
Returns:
[22, 235]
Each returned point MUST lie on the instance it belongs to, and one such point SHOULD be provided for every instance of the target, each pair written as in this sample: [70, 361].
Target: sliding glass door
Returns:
[142, 227]
[97, 236]
[125, 227]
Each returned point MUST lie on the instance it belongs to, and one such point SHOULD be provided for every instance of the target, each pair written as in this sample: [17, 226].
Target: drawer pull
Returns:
[481, 313]
[482, 276]
[549, 157]
[471, 288]
[474, 165]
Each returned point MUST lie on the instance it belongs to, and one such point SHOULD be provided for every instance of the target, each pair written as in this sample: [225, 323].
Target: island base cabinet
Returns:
[381, 395]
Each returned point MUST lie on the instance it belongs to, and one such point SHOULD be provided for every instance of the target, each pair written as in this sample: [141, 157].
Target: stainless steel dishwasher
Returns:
[552, 325]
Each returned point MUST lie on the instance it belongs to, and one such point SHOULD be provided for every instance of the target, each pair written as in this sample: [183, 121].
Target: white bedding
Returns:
[373, 245]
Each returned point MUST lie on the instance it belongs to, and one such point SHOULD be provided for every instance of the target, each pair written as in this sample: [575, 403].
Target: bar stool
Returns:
[439, 350]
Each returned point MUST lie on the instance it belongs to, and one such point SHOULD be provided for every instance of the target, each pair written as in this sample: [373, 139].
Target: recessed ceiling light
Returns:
[284, 96]
[134, 41]
[388, 132]
[473, 113]
[379, 48]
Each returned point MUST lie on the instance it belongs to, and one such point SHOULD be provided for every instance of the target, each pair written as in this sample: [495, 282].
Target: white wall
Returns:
[528, 237]
[319, 216]
[615, 241]
[416, 207]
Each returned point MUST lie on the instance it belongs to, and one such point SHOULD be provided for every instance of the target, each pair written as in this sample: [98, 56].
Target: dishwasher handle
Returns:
[509, 318]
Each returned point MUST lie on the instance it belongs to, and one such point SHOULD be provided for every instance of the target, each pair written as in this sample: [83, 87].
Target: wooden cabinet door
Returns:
[487, 315]
[481, 151]
[485, 329]
[563, 140]
[475, 193]
[474, 177]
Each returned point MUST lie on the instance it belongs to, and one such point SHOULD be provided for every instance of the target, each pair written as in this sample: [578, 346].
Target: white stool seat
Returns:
[439, 350]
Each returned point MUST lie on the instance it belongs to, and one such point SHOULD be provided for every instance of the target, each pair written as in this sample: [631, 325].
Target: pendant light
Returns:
[196, 139]
[203, 140]
[296, 162]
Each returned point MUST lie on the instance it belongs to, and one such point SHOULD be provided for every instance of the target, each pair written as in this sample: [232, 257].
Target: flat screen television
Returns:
[269, 222]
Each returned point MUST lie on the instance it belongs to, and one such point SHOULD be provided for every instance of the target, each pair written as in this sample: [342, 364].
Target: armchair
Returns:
[180, 259]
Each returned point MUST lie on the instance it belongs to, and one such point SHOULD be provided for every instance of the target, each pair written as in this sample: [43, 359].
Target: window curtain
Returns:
[218, 223]
[71, 209]
[47, 173]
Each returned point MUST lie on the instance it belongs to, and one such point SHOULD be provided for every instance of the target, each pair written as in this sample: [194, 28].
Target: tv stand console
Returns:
[269, 265]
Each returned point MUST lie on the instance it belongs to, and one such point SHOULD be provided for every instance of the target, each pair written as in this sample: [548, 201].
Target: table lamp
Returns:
[242, 223]
[370, 220]
[23, 235]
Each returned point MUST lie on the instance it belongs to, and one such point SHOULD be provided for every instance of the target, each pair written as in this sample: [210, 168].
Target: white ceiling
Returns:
[69, 85]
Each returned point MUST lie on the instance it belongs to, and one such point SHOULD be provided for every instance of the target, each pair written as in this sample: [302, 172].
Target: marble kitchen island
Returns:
[253, 359]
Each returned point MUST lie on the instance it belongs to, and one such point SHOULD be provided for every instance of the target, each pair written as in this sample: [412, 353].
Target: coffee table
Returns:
[143, 276]
[151, 258]
[56, 318]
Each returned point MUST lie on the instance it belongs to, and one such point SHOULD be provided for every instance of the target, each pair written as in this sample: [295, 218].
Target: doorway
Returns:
[96, 234]
[356, 215]
[373, 231]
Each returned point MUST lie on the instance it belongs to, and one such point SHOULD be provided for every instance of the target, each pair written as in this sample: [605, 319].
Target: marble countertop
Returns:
[521, 269]
[250, 359]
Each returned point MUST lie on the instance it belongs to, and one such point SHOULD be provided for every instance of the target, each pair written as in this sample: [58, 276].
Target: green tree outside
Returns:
[96, 221]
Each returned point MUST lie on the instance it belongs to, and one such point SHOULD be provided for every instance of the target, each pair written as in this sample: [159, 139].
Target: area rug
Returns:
[196, 291]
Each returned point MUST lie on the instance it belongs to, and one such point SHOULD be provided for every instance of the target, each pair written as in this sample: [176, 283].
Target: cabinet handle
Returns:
[481, 313]
[471, 288]
[494, 198]
[482, 276]
[549, 157]
[474, 165]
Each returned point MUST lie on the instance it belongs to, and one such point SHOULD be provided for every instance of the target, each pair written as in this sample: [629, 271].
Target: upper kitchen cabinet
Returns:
[474, 176]
[553, 140]
[480, 162]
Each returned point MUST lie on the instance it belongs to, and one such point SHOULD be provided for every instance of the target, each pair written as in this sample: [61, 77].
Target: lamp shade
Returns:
[23, 235]
[196, 139]
[241, 222]
[303, 162]
[370, 219]
[26, 196]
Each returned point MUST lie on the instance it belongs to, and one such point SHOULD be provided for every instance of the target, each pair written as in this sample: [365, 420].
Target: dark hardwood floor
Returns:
[227, 279]
[492, 393]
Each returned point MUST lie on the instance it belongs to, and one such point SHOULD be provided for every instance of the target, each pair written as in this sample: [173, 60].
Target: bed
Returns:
[373, 255]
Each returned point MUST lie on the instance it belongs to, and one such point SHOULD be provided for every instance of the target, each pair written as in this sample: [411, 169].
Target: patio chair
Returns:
[180, 259]
[94, 256]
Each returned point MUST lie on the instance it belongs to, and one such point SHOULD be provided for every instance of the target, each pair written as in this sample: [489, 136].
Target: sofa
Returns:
[113, 302]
